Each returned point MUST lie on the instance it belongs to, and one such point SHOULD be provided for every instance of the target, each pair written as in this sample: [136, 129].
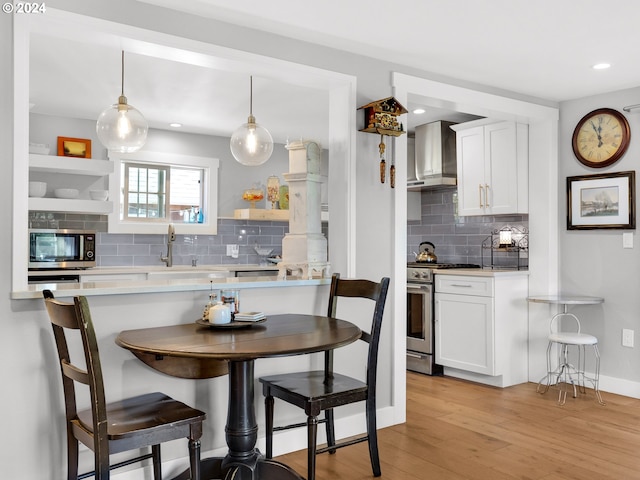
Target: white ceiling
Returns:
[541, 48]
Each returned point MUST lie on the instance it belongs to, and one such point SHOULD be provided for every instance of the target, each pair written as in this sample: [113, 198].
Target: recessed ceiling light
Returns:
[418, 111]
[175, 125]
[601, 66]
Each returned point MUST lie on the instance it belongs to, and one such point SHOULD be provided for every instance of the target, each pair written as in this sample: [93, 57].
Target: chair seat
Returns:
[302, 387]
[144, 412]
[573, 338]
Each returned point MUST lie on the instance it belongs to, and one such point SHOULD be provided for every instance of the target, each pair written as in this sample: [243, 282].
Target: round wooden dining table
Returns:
[203, 351]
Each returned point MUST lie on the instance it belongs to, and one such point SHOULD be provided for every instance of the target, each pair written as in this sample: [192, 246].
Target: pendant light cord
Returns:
[122, 70]
[251, 95]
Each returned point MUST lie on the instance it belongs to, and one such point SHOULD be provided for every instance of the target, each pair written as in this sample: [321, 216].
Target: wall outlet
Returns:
[233, 250]
[627, 337]
[627, 240]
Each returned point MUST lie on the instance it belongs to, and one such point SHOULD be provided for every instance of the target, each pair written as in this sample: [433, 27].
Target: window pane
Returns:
[186, 195]
[145, 183]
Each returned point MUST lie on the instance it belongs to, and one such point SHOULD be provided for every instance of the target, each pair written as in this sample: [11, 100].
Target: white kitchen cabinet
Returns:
[70, 172]
[492, 162]
[481, 327]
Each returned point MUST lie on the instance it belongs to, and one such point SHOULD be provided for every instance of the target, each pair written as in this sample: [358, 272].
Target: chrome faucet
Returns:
[171, 237]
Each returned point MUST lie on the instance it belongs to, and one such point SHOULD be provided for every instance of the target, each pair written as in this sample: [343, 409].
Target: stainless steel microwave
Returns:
[61, 249]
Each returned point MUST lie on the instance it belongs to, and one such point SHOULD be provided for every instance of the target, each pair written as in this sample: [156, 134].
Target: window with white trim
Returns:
[152, 190]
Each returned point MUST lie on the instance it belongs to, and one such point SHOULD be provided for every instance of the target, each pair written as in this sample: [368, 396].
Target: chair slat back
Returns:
[76, 316]
[357, 288]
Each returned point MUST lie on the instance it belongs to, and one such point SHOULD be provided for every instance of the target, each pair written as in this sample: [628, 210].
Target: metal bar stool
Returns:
[566, 373]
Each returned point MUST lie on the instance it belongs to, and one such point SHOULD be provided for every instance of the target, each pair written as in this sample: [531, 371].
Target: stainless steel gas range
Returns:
[420, 316]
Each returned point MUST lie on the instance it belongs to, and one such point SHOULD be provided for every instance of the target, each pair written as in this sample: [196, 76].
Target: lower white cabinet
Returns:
[481, 327]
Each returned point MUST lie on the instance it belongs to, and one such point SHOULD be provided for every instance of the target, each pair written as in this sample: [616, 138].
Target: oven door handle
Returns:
[414, 355]
[419, 288]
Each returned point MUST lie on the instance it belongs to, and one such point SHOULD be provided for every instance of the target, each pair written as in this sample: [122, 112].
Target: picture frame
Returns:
[601, 201]
[74, 147]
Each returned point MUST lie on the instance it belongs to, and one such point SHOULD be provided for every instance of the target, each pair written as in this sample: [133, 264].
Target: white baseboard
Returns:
[619, 386]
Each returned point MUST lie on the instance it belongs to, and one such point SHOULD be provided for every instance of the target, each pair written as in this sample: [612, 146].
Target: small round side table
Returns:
[565, 372]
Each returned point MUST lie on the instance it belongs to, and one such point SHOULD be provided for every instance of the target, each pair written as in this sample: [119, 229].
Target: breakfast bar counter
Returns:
[123, 280]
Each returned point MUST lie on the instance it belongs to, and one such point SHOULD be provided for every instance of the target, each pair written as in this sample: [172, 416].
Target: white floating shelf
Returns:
[70, 165]
[261, 214]
[78, 205]
[268, 215]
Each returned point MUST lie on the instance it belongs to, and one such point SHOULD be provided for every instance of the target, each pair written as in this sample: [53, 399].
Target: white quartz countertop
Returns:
[156, 269]
[163, 283]
[480, 272]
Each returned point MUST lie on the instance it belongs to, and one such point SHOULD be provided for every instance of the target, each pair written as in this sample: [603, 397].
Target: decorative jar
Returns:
[253, 195]
[283, 197]
[273, 190]
[219, 314]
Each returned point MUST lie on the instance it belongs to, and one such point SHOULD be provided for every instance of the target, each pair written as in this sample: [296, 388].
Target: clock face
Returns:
[601, 138]
[385, 120]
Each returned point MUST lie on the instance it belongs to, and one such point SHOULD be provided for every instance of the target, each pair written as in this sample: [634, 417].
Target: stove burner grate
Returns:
[441, 265]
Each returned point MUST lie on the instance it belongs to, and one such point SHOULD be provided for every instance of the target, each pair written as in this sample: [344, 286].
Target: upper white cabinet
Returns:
[69, 172]
[492, 161]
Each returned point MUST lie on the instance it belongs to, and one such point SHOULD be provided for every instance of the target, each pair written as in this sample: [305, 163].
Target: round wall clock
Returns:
[601, 137]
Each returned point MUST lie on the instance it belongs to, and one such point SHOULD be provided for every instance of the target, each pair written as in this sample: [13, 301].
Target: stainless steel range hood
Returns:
[435, 156]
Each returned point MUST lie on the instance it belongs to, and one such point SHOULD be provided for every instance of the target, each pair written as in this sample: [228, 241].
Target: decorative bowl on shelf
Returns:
[101, 195]
[253, 195]
[66, 193]
[37, 189]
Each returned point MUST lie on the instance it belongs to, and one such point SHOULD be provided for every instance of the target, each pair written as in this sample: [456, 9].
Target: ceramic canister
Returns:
[219, 314]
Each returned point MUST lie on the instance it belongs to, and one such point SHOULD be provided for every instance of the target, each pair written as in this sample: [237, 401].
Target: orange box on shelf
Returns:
[74, 147]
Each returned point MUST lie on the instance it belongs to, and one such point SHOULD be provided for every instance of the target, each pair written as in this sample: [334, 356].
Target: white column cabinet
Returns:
[481, 327]
[492, 162]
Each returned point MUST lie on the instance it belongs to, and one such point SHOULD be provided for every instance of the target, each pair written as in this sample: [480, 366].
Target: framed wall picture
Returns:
[604, 200]
[74, 147]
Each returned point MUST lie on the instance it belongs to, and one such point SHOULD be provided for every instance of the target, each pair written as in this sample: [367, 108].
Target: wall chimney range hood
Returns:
[435, 156]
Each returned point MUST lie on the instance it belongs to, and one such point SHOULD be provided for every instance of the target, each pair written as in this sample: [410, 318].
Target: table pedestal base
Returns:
[244, 461]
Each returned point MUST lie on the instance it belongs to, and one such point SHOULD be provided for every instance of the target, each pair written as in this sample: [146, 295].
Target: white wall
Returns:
[594, 262]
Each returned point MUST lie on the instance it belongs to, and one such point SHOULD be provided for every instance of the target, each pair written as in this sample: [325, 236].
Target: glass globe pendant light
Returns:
[251, 144]
[121, 127]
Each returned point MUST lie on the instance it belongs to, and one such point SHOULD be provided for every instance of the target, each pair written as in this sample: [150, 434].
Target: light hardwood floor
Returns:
[457, 430]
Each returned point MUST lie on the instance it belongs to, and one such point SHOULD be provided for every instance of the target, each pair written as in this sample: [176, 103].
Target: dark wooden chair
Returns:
[133, 423]
[324, 390]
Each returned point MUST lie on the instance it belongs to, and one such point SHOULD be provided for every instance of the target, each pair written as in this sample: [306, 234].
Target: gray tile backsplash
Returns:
[145, 249]
[457, 239]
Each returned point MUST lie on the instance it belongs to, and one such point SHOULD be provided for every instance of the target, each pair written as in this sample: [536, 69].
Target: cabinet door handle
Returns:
[480, 195]
[486, 195]
[461, 285]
